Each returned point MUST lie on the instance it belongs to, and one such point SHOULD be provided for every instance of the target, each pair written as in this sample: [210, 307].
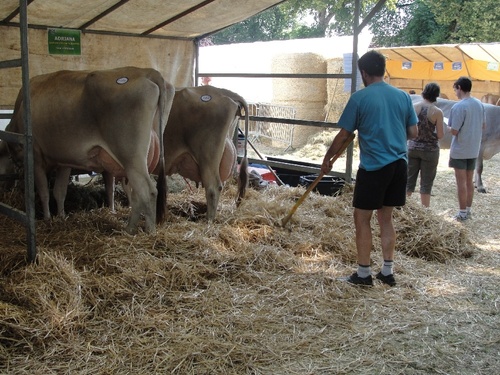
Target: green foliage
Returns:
[295, 19]
[398, 23]
[272, 24]
[468, 21]
[388, 25]
[423, 28]
[420, 22]
[409, 23]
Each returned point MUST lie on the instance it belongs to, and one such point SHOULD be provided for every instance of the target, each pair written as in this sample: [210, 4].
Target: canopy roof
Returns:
[177, 19]
[147, 33]
[480, 61]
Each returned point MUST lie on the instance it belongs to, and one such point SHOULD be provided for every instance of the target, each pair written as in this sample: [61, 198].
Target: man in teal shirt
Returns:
[385, 119]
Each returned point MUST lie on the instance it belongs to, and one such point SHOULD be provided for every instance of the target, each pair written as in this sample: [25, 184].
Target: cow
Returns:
[490, 141]
[103, 120]
[199, 142]
[491, 99]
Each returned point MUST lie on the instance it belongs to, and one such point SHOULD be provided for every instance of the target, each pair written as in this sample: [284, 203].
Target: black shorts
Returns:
[467, 164]
[383, 187]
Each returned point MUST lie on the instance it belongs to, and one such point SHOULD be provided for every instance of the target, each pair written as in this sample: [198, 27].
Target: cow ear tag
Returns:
[205, 98]
[122, 80]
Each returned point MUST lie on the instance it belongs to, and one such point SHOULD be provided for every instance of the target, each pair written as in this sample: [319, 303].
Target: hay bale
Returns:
[307, 96]
[336, 97]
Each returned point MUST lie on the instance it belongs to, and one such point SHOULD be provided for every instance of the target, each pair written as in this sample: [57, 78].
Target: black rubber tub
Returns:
[289, 176]
[329, 185]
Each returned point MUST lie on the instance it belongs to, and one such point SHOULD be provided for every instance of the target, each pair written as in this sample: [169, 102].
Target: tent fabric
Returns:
[178, 19]
[480, 61]
[173, 58]
[146, 33]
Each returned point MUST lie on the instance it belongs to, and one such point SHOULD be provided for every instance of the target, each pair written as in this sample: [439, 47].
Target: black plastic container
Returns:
[329, 185]
[289, 176]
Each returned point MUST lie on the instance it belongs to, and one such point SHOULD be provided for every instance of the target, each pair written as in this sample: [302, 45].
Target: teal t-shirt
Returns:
[381, 114]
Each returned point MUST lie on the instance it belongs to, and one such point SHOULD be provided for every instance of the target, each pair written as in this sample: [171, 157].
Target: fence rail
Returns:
[275, 131]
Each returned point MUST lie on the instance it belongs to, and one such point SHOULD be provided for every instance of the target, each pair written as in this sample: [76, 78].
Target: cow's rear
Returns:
[198, 139]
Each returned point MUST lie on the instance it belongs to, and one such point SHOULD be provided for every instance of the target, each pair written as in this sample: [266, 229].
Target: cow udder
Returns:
[101, 160]
[187, 167]
[228, 163]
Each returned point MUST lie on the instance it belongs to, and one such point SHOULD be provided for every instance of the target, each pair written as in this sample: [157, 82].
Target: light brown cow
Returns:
[198, 141]
[491, 99]
[107, 120]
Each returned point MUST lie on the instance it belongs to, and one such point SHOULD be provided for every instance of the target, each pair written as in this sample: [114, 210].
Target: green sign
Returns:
[64, 42]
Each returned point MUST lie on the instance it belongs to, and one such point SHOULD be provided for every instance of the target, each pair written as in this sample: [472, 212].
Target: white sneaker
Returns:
[459, 217]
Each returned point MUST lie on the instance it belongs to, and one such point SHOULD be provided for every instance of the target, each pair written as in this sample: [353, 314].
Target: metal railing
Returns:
[26, 218]
[274, 131]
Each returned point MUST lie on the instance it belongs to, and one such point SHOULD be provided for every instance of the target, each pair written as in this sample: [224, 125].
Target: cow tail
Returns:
[243, 176]
[167, 92]
[161, 199]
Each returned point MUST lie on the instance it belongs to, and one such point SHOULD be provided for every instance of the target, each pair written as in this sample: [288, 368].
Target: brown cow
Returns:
[491, 99]
[198, 141]
[106, 120]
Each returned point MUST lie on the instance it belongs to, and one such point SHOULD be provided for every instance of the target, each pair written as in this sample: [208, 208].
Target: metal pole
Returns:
[354, 81]
[29, 185]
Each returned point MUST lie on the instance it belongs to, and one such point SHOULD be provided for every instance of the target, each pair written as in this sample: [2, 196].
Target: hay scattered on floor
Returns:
[240, 295]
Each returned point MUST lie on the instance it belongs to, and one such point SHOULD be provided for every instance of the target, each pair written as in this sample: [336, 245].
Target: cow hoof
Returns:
[131, 231]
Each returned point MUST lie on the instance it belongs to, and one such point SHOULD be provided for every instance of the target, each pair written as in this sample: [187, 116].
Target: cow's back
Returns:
[78, 110]
[491, 99]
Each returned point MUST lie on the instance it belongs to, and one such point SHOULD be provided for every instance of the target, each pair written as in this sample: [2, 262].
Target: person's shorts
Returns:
[383, 187]
[467, 164]
[424, 163]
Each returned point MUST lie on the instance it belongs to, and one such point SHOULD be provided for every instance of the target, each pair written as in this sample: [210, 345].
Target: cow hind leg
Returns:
[478, 176]
[61, 188]
[213, 187]
[42, 186]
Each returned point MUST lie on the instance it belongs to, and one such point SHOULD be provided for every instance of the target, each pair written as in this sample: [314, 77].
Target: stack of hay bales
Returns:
[336, 97]
[306, 95]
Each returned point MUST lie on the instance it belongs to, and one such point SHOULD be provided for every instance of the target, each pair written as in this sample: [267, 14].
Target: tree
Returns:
[399, 23]
[468, 21]
[295, 19]
[272, 24]
[410, 22]
[420, 22]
